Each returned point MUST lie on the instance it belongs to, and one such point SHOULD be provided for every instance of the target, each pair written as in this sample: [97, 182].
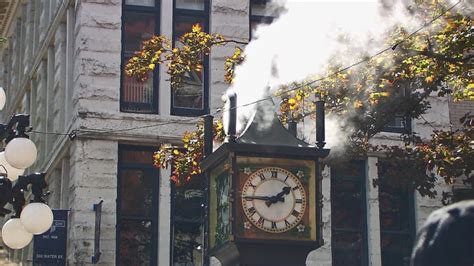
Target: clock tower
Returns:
[264, 192]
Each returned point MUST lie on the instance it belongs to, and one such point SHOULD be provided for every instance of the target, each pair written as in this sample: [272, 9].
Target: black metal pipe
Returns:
[320, 124]
[208, 134]
[231, 113]
[292, 128]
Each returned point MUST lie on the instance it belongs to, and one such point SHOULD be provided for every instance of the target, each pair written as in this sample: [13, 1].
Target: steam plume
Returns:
[298, 45]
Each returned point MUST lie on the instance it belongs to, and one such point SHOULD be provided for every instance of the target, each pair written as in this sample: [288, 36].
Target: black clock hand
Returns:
[266, 198]
[279, 197]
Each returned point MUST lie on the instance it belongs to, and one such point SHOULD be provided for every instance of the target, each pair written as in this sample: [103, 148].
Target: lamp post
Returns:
[20, 153]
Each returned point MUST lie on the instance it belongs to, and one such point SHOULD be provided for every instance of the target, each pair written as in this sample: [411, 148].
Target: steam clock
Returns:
[264, 193]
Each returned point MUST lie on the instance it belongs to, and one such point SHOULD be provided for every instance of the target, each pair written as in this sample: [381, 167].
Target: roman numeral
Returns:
[295, 188]
[286, 177]
[262, 176]
[287, 223]
[252, 211]
[252, 185]
[274, 174]
[295, 213]
[299, 200]
[248, 199]
[274, 225]
[260, 220]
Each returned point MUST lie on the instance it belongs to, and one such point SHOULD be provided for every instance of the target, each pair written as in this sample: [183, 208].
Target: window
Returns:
[399, 123]
[137, 211]
[349, 214]
[259, 14]
[397, 223]
[187, 221]
[139, 22]
[192, 98]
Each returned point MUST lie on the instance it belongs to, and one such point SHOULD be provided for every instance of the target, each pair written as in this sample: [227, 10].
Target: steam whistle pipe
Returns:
[320, 121]
[292, 128]
[231, 115]
[208, 134]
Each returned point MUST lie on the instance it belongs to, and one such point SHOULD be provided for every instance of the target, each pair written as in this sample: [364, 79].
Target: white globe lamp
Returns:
[21, 153]
[14, 234]
[3, 98]
[12, 172]
[37, 218]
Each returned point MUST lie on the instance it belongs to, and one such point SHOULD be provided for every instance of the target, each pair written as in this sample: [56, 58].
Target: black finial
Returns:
[208, 134]
[230, 116]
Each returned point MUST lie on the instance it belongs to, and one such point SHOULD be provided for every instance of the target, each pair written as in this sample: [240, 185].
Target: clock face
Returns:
[273, 199]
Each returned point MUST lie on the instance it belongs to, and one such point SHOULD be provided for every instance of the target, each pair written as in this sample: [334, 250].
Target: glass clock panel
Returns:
[220, 205]
[276, 199]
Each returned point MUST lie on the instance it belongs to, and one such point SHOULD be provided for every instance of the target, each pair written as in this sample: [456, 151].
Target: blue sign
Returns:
[50, 247]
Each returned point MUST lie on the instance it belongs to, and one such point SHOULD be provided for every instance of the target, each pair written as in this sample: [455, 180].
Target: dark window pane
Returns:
[150, 3]
[394, 210]
[191, 94]
[346, 204]
[135, 243]
[137, 27]
[137, 96]
[187, 222]
[140, 157]
[348, 216]
[352, 169]
[136, 193]
[396, 249]
[258, 8]
[347, 248]
[397, 121]
[191, 4]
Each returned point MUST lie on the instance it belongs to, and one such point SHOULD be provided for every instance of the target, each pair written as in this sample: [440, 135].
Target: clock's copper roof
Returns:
[265, 128]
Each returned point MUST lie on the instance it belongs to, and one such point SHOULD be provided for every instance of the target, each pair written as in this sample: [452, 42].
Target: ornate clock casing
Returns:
[263, 198]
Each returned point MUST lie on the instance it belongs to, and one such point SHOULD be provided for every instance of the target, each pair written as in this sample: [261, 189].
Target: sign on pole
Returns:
[50, 247]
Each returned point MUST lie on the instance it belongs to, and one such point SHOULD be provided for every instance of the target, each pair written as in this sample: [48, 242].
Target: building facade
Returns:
[63, 64]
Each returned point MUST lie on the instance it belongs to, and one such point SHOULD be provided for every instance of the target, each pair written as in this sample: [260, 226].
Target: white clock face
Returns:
[273, 199]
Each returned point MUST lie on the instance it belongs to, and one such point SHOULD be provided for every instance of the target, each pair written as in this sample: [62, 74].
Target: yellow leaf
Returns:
[358, 104]
[429, 79]
[151, 66]
[197, 27]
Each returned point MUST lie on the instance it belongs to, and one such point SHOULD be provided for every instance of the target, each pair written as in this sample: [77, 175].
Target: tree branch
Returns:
[231, 41]
[437, 56]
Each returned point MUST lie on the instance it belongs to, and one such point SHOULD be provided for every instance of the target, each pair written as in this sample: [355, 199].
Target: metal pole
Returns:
[320, 124]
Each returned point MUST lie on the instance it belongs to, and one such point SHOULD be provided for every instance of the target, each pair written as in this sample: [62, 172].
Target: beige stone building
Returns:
[63, 64]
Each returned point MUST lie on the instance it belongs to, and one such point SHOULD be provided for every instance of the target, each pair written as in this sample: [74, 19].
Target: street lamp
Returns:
[33, 219]
[3, 98]
[20, 153]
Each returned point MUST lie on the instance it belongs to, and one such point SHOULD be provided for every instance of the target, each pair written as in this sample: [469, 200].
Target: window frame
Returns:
[124, 106]
[154, 216]
[411, 223]
[257, 18]
[405, 129]
[204, 14]
[363, 204]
